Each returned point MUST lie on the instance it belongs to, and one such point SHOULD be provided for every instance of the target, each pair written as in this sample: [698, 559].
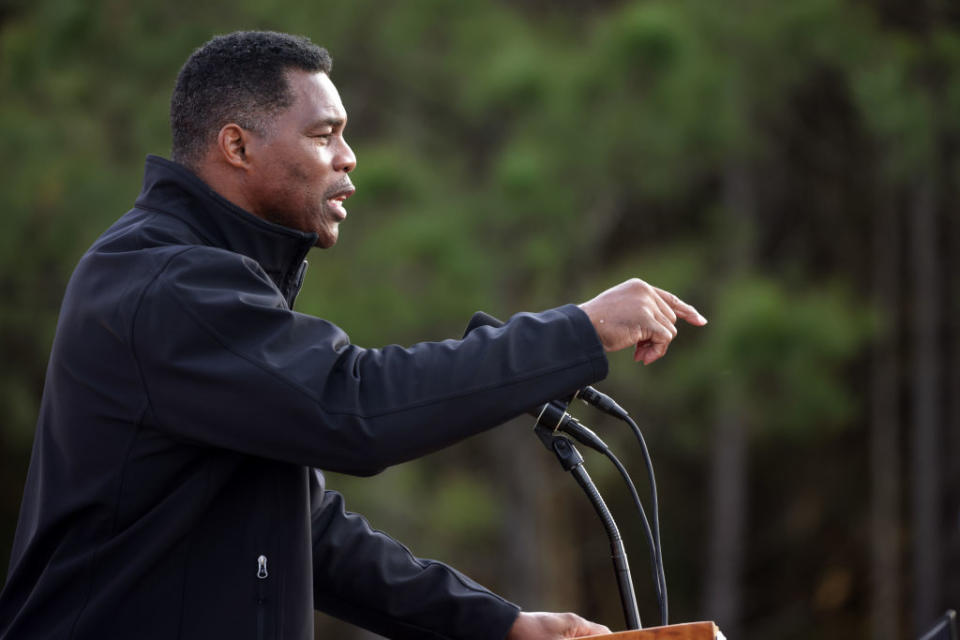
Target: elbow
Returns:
[363, 455]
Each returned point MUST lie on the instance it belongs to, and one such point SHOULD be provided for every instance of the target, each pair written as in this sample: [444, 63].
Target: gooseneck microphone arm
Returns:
[552, 417]
[571, 460]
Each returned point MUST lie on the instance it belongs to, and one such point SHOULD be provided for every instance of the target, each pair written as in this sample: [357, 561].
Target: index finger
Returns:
[681, 308]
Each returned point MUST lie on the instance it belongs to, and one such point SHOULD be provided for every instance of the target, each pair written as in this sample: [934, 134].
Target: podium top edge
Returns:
[705, 630]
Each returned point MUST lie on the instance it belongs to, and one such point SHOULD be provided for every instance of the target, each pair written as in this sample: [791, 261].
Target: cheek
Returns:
[298, 173]
[307, 164]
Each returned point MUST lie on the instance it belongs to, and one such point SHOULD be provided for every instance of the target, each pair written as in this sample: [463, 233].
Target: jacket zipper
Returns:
[298, 282]
[261, 600]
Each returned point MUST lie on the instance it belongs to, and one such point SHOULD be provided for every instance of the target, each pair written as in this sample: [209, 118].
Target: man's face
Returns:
[301, 162]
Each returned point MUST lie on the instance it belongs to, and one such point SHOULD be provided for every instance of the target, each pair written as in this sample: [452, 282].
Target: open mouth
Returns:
[335, 202]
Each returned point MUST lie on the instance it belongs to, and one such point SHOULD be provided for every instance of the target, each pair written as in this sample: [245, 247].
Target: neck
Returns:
[224, 180]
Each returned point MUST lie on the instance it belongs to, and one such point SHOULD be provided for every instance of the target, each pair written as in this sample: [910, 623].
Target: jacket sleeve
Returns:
[225, 362]
[369, 579]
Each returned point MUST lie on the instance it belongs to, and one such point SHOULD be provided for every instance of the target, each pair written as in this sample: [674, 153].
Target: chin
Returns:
[326, 238]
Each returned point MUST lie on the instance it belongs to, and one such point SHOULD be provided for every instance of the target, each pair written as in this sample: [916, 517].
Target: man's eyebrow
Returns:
[329, 122]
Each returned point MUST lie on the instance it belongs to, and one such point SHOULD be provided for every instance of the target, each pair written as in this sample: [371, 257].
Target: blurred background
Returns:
[790, 168]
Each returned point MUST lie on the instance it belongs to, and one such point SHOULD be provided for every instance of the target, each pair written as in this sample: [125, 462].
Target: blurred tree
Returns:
[906, 90]
[757, 158]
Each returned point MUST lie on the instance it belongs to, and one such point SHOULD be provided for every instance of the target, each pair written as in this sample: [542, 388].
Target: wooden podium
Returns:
[688, 631]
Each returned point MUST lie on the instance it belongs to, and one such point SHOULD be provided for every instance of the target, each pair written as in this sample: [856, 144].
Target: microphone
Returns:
[588, 394]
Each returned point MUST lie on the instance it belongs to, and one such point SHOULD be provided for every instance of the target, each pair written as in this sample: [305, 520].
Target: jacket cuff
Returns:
[502, 621]
[589, 340]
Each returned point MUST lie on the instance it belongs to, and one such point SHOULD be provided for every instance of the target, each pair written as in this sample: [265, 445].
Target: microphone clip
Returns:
[553, 417]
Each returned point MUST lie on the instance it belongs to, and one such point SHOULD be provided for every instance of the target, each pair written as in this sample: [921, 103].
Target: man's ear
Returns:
[232, 144]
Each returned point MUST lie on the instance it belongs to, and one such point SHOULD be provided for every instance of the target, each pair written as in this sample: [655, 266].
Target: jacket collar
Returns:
[171, 188]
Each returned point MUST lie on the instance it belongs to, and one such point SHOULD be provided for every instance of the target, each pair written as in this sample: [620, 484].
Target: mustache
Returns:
[338, 188]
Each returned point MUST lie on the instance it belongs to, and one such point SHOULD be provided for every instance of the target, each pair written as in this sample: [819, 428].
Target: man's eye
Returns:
[324, 137]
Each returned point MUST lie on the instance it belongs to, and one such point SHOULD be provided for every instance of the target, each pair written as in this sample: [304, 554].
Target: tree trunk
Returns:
[726, 533]
[523, 488]
[925, 407]
[885, 428]
[723, 600]
[951, 478]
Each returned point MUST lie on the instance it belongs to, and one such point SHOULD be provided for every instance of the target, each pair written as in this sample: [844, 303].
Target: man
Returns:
[172, 491]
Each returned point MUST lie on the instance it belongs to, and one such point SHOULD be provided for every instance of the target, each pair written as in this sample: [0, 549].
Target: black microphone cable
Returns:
[592, 397]
[655, 508]
[554, 416]
[651, 540]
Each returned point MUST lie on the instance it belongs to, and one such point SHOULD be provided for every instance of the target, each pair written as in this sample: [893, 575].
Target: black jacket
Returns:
[171, 491]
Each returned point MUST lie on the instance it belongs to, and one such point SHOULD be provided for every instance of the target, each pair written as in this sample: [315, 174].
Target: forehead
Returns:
[314, 96]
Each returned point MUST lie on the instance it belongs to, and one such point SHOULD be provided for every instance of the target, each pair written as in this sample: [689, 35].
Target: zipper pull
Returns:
[262, 567]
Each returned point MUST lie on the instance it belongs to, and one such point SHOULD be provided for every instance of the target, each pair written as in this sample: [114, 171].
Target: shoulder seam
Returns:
[133, 323]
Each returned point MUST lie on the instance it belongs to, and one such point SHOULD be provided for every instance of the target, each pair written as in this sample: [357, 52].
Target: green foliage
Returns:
[517, 157]
[786, 352]
[779, 353]
[900, 116]
[440, 513]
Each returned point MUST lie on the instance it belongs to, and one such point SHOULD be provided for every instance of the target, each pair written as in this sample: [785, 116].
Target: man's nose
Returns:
[344, 160]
